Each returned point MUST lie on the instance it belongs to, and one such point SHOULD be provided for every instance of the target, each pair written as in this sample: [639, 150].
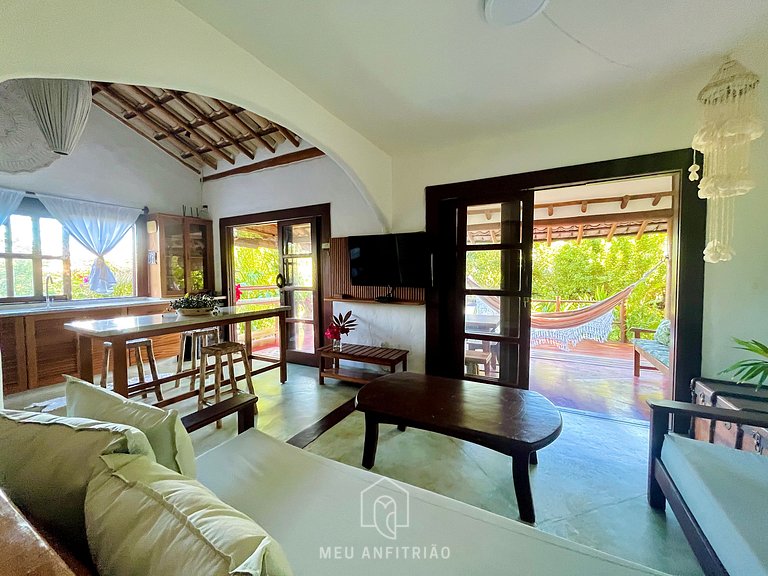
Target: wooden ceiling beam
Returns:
[243, 126]
[153, 124]
[580, 235]
[549, 235]
[641, 231]
[288, 135]
[193, 109]
[607, 218]
[290, 158]
[155, 104]
[612, 231]
[120, 118]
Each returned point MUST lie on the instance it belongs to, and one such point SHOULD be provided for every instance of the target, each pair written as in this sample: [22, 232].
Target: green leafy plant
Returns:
[194, 301]
[752, 368]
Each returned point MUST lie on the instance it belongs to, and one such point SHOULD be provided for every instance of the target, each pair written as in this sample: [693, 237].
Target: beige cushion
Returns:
[163, 428]
[47, 461]
[143, 519]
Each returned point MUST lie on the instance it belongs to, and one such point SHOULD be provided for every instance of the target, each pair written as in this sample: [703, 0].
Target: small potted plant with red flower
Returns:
[340, 325]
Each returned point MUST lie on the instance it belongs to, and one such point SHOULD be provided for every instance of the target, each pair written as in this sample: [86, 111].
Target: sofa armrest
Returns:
[637, 332]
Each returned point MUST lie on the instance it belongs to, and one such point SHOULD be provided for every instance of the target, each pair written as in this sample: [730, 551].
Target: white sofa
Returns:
[313, 507]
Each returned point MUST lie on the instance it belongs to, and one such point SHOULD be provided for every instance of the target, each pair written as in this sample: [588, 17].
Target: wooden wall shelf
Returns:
[371, 301]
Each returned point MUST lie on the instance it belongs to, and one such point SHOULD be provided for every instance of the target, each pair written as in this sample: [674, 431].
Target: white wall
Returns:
[113, 164]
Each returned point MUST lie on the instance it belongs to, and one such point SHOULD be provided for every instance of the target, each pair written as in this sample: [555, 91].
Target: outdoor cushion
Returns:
[143, 520]
[725, 490]
[654, 348]
[663, 333]
[163, 428]
[322, 512]
[47, 461]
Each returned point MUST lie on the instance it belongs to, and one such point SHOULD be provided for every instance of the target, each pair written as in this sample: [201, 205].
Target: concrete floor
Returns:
[589, 486]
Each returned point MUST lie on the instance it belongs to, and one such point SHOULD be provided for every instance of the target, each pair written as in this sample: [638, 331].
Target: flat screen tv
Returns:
[389, 260]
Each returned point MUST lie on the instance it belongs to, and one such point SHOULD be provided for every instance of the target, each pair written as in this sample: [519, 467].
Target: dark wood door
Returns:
[478, 310]
[298, 286]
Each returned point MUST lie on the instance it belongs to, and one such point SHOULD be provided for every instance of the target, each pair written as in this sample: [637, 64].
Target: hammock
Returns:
[564, 329]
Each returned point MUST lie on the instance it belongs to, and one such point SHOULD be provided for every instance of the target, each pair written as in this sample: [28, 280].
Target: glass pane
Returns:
[496, 360]
[23, 285]
[297, 239]
[301, 337]
[493, 269]
[3, 234]
[494, 223]
[3, 279]
[54, 269]
[51, 243]
[256, 263]
[492, 315]
[21, 234]
[303, 305]
[174, 256]
[299, 271]
[198, 251]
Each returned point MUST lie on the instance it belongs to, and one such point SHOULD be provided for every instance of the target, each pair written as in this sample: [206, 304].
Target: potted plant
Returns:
[340, 325]
[755, 369]
[194, 305]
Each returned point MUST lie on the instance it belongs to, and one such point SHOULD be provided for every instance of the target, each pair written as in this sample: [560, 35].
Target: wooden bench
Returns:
[389, 357]
[243, 404]
[640, 351]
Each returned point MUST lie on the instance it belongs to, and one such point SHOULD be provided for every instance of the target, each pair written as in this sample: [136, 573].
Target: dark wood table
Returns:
[378, 355]
[511, 421]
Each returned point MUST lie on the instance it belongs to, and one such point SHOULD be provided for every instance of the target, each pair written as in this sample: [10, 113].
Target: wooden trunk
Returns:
[37, 350]
[731, 396]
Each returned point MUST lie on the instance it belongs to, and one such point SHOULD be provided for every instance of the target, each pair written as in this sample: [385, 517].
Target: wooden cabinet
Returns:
[180, 255]
[731, 396]
[37, 350]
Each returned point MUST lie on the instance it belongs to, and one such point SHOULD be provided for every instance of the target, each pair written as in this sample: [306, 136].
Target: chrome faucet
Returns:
[48, 281]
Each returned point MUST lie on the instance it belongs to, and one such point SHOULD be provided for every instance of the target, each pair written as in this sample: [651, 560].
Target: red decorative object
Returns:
[333, 332]
[238, 292]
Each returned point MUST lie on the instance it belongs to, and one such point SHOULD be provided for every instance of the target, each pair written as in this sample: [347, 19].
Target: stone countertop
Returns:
[11, 310]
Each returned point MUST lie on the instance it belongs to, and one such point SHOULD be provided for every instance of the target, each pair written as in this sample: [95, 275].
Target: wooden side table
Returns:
[380, 356]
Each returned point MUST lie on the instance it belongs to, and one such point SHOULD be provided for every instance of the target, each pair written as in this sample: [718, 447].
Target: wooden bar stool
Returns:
[135, 345]
[218, 351]
[197, 339]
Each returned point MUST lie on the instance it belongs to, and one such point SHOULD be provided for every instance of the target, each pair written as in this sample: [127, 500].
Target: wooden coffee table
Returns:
[511, 421]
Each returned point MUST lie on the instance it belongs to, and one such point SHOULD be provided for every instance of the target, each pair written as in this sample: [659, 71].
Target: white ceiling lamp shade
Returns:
[511, 12]
[61, 108]
[22, 146]
[729, 123]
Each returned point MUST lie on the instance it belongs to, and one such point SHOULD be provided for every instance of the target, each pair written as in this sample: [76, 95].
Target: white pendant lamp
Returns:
[509, 12]
[61, 109]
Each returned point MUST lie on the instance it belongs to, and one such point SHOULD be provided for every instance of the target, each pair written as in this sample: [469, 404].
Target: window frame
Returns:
[34, 209]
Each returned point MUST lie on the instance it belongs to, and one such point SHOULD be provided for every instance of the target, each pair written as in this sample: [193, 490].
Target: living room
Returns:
[619, 95]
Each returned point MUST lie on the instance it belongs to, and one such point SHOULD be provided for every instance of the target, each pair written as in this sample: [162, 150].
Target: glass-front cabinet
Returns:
[180, 255]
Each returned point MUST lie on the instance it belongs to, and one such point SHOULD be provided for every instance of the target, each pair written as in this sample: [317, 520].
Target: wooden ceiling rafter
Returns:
[196, 130]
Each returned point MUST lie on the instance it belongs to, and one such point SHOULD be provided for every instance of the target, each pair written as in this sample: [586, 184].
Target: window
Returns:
[34, 246]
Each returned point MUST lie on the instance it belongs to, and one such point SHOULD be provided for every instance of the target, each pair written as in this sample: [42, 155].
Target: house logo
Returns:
[386, 506]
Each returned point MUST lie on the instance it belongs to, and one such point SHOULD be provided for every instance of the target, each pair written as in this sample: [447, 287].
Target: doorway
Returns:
[277, 257]
[446, 300]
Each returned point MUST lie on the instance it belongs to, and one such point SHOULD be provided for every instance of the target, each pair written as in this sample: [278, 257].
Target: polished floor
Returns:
[589, 486]
[598, 378]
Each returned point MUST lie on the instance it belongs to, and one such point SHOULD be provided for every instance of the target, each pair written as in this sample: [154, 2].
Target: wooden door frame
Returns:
[320, 211]
[688, 239]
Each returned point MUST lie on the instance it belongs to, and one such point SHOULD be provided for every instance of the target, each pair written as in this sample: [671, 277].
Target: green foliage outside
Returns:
[257, 267]
[81, 290]
[592, 270]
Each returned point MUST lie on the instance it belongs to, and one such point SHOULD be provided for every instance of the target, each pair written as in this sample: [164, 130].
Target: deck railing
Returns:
[621, 322]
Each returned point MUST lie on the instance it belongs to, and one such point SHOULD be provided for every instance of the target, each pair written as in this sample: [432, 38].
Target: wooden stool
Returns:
[228, 349]
[197, 339]
[135, 345]
[473, 359]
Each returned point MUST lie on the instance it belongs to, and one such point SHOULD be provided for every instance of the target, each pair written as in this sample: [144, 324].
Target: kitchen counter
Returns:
[27, 309]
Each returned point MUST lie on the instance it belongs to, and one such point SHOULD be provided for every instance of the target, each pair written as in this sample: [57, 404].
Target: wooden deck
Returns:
[596, 377]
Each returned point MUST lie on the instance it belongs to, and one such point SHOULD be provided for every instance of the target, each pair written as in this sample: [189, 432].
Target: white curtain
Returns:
[98, 227]
[9, 202]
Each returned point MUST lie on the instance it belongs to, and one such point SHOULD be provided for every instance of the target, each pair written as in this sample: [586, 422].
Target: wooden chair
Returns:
[474, 358]
[218, 351]
[135, 345]
[197, 339]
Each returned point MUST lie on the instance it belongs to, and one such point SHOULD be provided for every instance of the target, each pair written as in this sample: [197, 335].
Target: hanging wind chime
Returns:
[729, 124]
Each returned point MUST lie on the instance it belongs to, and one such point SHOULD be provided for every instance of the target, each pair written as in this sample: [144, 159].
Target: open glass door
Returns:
[298, 286]
[481, 299]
